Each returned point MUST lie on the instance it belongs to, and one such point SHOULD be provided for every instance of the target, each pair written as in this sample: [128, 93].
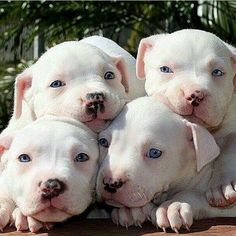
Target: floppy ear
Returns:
[5, 143]
[121, 66]
[144, 45]
[204, 144]
[22, 84]
[233, 61]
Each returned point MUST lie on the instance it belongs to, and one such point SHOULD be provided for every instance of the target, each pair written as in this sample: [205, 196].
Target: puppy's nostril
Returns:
[195, 103]
[52, 188]
[112, 187]
[95, 96]
[193, 95]
[189, 99]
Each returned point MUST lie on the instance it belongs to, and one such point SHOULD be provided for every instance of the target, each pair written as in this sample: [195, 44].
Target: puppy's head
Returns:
[193, 70]
[76, 80]
[50, 168]
[146, 149]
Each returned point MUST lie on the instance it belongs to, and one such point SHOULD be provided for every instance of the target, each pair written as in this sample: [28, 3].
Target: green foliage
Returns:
[7, 87]
[67, 20]
[125, 22]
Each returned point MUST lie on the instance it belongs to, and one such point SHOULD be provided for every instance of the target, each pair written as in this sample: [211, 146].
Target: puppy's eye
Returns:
[57, 83]
[166, 69]
[24, 158]
[154, 153]
[217, 72]
[109, 75]
[103, 142]
[81, 157]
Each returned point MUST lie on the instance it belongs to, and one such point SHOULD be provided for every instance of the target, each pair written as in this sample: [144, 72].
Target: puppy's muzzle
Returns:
[112, 187]
[95, 103]
[52, 188]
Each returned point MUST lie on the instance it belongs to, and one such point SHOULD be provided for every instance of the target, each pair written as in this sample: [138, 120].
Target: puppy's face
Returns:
[145, 150]
[142, 146]
[77, 80]
[50, 170]
[193, 71]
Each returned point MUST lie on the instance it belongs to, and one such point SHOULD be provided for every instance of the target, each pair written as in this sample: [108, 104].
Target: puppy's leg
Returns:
[183, 208]
[222, 186]
[19, 220]
[6, 209]
[132, 216]
[28, 223]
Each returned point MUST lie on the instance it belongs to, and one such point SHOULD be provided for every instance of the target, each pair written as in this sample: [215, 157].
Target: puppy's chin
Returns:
[51, 214]
[97, 125]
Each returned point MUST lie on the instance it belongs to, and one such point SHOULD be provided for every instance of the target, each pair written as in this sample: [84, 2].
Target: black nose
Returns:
[52, 188]
[196, 98]
[112, 187]
[95, 96]
[95, 103]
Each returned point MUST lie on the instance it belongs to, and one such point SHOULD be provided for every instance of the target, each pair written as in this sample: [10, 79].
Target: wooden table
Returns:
[105, 227]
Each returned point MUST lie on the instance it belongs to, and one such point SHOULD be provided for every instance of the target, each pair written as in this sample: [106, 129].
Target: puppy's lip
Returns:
[96, 119]
[165, 100]
[114, 203]
[195, 119]
[48, 207]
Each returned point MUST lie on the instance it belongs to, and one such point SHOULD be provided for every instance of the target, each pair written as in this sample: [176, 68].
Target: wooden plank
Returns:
[105, 227]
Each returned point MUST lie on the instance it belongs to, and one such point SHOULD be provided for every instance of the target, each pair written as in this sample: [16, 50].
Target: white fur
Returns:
[52, 144]
[81, 65]
[177, 179]
[192, 55]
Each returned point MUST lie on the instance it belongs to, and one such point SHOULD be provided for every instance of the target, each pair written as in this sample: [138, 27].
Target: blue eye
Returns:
[109, 75]
[166, 69]
[57, 83]
[217, 72]
[24, 158]
[81, 157]
[154, 153]
[103, 142]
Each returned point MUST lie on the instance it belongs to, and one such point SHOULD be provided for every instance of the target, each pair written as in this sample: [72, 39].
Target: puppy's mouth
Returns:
[114, 203]
[48, 208]
[128, 199]
[189, 112]
[97, 125]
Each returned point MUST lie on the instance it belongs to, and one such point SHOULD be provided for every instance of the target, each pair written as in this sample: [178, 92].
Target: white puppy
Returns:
[151, 153]
[88, 80]
[195, 73]
[49, 172]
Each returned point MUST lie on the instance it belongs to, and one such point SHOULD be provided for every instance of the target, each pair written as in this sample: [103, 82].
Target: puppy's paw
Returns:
[172, 215]
[131, 216]
[222, 195]
[27, 223]
[5, 217]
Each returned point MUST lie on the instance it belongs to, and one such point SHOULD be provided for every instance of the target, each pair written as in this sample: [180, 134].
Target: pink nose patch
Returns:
[2, 148]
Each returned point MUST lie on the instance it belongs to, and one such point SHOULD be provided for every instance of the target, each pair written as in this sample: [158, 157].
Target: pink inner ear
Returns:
[120, 65]
[143, 46]
[23, 81]
[234, 83]
[2, 148]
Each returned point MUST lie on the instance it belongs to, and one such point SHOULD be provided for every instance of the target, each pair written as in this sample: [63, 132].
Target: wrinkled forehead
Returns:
[49, 134]
[186, 45]
[71, 59]
[150, 121]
